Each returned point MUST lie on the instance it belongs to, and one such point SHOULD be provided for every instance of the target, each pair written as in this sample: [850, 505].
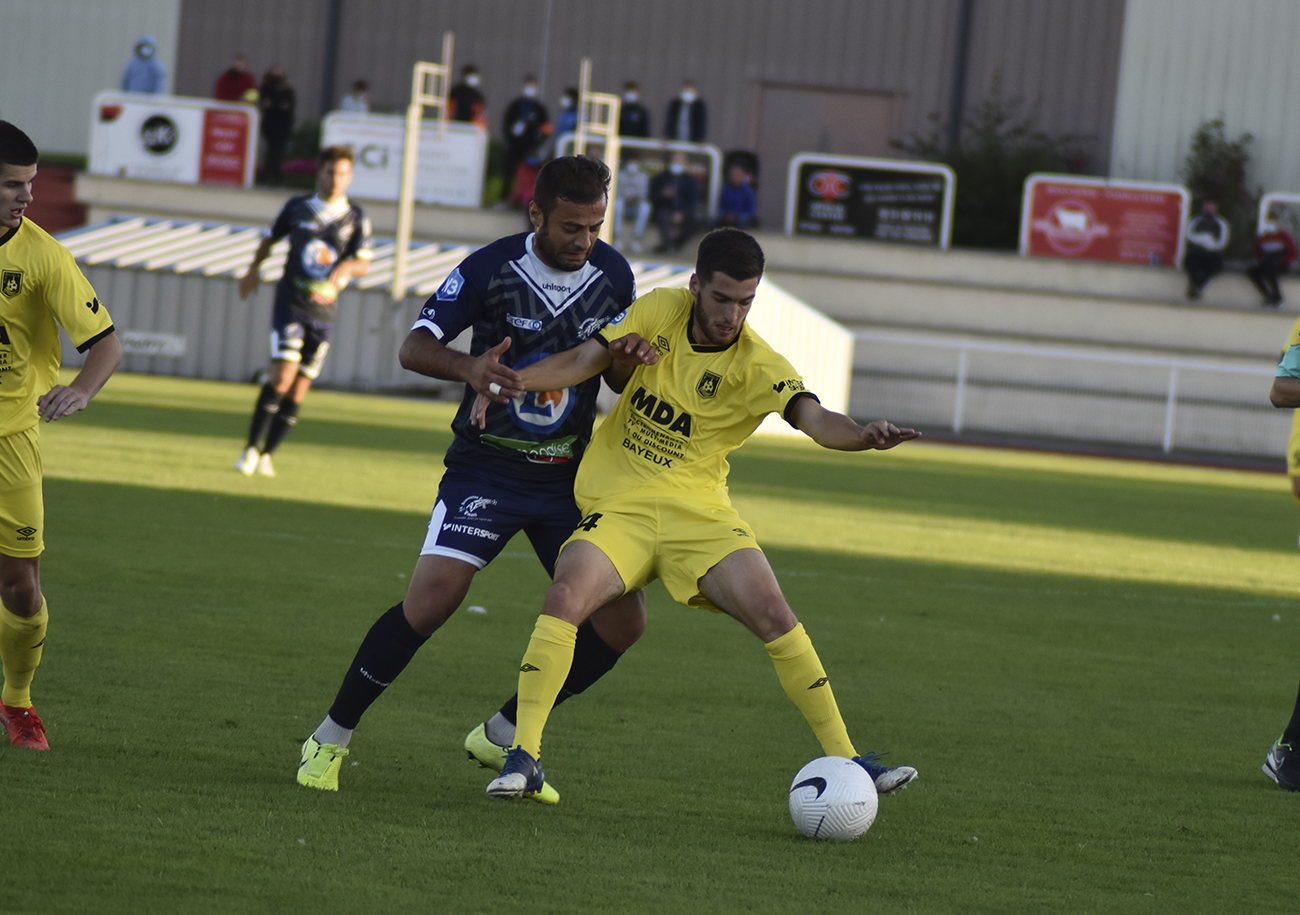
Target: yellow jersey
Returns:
[678, 419]
[40, 283]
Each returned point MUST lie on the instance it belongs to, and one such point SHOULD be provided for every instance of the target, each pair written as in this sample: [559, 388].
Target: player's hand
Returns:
[248, 282]
[60, 401]
[341, 275]
[491, 379]
[478, 412]
[633, 350]
[884, 435]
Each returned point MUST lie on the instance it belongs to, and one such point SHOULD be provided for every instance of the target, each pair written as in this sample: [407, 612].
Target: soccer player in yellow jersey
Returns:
[40, 284]
[653, 490]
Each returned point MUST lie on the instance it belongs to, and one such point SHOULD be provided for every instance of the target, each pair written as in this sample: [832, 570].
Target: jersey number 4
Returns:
[589, 522]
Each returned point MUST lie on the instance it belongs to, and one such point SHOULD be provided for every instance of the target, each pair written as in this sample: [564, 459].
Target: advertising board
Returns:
[172, 138]
[1123, 222]
[881, 199]
[451, 168]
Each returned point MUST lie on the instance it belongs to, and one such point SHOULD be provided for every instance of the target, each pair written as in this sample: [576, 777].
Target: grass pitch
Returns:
[1085, 659]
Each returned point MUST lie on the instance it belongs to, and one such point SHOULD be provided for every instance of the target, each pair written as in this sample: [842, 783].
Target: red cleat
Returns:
[24, 727]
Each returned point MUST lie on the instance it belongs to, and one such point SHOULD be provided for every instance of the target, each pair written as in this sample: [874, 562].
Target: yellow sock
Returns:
[546, 665]
[21, 642]
[804, 680]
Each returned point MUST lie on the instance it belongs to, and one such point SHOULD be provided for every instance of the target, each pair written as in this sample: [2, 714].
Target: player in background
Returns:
[40, 284]
[543, 292]
[1282, 764]
[329, 244]
[653, 491]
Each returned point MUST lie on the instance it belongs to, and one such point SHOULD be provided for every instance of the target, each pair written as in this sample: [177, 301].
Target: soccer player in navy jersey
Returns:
[329, 244]
[532, 295]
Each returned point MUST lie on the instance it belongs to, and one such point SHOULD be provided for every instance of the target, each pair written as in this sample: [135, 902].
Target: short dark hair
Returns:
[16, 148]
[576, 179]
[729, 251]
[331, 154]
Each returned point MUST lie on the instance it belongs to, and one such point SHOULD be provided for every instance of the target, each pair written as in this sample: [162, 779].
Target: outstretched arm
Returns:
[840, 433]
[424, 353]
[60, 400]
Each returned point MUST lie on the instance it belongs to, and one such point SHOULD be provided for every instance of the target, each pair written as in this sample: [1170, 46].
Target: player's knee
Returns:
[20, 591]
[566, 602]
[427, 612]
[622, 622]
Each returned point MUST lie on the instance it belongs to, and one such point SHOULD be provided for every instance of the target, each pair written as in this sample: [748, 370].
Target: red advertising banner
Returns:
[224, 155]
[1123, 222]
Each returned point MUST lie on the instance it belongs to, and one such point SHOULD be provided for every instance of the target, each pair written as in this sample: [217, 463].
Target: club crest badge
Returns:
[708, 385]
[11, 283]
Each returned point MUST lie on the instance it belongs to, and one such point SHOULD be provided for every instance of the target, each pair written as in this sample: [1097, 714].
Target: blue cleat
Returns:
[521, 776]
[888, 779]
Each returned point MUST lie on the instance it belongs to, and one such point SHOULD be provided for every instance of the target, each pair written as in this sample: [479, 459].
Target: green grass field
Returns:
[1086, 660]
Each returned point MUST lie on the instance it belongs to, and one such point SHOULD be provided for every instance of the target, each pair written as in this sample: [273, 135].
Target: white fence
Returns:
[1070, 394]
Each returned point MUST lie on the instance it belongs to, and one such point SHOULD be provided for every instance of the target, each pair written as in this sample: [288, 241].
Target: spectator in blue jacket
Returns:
[145, 73]
[737, 205]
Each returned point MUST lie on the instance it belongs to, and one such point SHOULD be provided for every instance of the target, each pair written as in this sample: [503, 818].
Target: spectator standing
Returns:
[527, 124]
[467, 102]
[633, 197]
[675, 194]
[277, 101]
[687, 120]
[1274, 251]
[145, 73]
[1207, 236]
[358, 100]
[236, 84]
[567, 122]
[737, 205]
[633, 117]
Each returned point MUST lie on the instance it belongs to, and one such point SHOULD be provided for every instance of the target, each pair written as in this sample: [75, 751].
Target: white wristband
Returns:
[494, 389]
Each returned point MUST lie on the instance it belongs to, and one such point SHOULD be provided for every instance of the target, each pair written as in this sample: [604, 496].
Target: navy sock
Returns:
[1292, 732]
[268, 405]
[592, 659]
[384, 653]
[284, 420]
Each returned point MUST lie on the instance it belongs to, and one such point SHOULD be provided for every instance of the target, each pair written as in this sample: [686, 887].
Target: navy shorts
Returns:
[295, 339]
[478, 511]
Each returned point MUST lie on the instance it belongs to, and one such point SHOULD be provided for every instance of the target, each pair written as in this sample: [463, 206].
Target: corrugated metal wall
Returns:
[1063, 52]
[59, 53]
[1188, 61]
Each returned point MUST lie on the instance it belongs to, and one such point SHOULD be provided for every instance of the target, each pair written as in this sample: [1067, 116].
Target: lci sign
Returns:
[170, 138]
[882, 199]
[1123, 222]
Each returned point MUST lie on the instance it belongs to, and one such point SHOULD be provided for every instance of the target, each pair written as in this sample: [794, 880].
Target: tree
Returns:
[998, 148]
[1215, 169]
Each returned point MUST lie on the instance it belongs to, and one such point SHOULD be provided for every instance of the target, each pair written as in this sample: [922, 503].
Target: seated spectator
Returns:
[633, 198]
[675, 194]
[1274, 251]
[358, 99]
[236, 84]
[737, 205]
[1207, 236]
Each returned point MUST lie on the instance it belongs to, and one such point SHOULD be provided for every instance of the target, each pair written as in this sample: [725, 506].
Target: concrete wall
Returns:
[59, 53]
[1189, 61]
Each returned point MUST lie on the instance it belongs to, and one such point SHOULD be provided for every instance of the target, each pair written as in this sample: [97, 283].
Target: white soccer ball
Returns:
[833, 798]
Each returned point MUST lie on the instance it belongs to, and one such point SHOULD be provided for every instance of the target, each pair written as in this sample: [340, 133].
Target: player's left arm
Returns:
[840, 433]
[64, 400]
[356, 256]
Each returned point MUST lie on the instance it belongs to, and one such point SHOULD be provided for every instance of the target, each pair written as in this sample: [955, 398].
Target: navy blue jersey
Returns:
[320, 235]
[505, 290]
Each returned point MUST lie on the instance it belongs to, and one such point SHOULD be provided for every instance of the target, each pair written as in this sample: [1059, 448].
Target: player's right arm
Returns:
[248, 283]
[425, 354]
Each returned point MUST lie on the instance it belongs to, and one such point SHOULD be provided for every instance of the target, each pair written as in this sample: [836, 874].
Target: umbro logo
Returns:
[25, 532]
[821, 681]
[527, 668]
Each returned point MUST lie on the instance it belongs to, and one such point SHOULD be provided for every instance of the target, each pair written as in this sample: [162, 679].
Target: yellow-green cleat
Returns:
[320, 765]
[492, 756]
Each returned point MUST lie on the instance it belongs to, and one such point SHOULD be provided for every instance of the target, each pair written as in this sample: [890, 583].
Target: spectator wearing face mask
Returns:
[687, 119]
[675, 195]
[633, 117]
[145, 73]
[467, 102]
[567, 122]
[527, 125]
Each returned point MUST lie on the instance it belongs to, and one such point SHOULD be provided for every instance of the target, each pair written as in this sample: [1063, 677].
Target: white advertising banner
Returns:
[450, 171]
[171, 138]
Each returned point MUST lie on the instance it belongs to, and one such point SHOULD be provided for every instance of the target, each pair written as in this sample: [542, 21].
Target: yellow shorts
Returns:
[1293, 447]
[22, 508]
[673, 540]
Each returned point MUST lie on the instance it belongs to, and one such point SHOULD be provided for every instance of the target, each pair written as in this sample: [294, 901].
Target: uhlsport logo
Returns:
[1071, 226]
[159, 134]
[541, 411]
[11, 283]
[472, 505]
[829, 185]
